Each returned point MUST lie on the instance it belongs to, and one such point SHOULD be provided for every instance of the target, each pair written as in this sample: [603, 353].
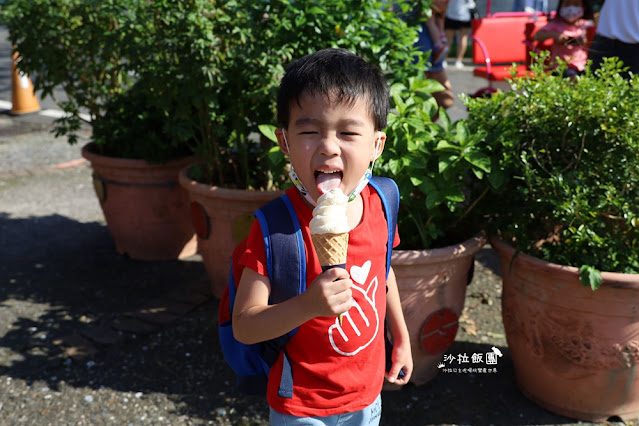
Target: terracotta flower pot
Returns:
[222, 218]
[575, 351]
[145, 209]
[432, 288]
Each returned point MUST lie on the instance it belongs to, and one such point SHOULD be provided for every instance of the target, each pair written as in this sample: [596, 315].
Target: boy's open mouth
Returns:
[327, 180]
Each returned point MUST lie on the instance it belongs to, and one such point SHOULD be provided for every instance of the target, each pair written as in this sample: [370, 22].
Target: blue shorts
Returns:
[370, 415]
[425, 44]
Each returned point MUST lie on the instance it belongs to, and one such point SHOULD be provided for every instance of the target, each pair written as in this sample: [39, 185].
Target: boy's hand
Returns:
[402, 360]
[330, 293]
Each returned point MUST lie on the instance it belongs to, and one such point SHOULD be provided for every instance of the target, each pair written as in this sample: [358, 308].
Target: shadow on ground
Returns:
[62, 277]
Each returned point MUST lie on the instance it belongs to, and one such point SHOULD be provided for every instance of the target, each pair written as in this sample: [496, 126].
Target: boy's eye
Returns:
[350, 135]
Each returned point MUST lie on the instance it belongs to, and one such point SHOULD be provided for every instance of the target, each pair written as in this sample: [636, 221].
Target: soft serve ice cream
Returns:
[329, 216]
[329, 230]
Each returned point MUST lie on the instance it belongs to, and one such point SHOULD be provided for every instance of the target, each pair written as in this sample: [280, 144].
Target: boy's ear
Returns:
[281, 140]
[378, 147]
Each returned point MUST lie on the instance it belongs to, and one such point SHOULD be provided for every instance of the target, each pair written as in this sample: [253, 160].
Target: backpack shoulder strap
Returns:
[282, 235]
[287, 271]
[389, 194]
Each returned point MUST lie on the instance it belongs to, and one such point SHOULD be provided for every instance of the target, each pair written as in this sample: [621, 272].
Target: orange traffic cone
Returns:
[23, 98]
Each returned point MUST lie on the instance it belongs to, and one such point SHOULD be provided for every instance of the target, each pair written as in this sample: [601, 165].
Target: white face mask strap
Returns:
[294, 178]
[285, 141]
[368, 173]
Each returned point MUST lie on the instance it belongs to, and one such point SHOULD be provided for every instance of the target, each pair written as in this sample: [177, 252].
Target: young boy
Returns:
[332, 106]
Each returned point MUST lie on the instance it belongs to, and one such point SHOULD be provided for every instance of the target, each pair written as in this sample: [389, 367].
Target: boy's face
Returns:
[330, 144]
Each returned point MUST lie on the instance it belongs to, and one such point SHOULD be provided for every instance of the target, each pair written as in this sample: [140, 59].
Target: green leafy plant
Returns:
[442, 169]
[257, 40]
[206, 72]
[79, 53]
[570, 151]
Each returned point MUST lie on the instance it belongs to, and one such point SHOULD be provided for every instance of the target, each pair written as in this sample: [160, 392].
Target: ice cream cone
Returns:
[331, 249]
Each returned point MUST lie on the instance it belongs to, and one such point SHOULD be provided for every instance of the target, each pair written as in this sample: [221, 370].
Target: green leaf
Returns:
[395, 165]
[275, 155]
[445, 161]
[445, 119]
[416, 181]
[462, 132]
[479, 160]
[268, 130]
[433, 199]
[427, 186]
[455, 195]
[447, 146]
[316, 11]
[590, 276]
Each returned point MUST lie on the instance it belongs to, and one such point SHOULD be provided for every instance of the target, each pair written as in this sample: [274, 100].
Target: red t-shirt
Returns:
[335, 369]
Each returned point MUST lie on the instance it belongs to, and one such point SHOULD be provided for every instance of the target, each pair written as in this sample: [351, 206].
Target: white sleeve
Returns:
[619, 20]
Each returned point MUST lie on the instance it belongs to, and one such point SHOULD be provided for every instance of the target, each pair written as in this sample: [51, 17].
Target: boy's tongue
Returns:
[327, 181]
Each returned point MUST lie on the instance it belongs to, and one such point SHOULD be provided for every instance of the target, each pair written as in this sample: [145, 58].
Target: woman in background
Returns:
[458, 17]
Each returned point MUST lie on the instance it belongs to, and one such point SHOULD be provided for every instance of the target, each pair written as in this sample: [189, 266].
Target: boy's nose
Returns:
[330, 145]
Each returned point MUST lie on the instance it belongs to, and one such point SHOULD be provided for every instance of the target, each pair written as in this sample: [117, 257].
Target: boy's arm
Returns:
[254, 320]
[402, 357]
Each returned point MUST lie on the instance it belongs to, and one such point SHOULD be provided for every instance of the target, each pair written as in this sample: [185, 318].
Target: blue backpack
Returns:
[287, 274]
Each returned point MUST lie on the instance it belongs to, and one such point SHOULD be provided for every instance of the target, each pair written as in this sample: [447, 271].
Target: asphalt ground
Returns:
[91, 337]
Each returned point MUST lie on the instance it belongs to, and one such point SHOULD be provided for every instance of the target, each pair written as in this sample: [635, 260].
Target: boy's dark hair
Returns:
[588, 9]
[337, 74]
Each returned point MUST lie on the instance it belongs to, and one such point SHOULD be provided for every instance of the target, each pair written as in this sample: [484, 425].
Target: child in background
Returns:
[568, 32]
[332, 107]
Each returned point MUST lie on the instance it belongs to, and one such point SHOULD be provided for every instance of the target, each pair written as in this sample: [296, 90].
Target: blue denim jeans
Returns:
[370, 415]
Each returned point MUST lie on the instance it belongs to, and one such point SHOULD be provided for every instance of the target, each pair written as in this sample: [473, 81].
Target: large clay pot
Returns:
[575, 351]
[222, 218]
[146, 210]
[432, 288]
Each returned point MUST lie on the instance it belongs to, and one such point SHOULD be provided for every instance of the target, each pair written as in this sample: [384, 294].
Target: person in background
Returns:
[435, 69]
[458, 17]
[568, 32]
[530, 6]
[435, 26]
[617, 34]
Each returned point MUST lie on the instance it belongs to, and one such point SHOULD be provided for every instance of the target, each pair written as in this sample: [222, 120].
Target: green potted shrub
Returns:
[82, 49]
[443, 171]
[254, 42]
[565, 224]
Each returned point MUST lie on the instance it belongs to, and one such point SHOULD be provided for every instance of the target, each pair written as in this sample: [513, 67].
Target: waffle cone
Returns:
[331, 248]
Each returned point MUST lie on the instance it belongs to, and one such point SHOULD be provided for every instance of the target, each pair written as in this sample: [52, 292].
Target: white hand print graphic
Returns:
[361, 322]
